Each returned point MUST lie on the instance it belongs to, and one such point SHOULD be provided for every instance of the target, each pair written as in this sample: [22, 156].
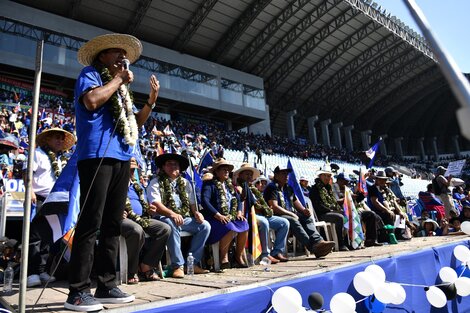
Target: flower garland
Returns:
[54, 162]
[226, 211]
[167, 195]
[260, 204]
[280, 195]
[125, 119]
[326, 195]
[141, 220]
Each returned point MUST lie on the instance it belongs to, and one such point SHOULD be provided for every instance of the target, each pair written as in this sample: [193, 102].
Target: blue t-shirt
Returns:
[134, 199]
[94, 128]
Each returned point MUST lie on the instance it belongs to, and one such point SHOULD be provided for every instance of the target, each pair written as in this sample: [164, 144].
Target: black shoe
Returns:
[114, 295]
[372, 243]
[82, 302]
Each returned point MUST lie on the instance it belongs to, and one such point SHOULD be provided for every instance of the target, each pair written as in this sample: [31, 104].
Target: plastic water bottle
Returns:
[190, 264]
[8, 275]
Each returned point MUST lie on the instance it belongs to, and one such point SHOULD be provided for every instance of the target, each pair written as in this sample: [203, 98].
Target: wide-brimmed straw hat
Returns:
[88, 52]
[43, 137]
[220, 162]
[9, 141]
[246, 167]
[162, 158]
[260, 179]
[381, 175]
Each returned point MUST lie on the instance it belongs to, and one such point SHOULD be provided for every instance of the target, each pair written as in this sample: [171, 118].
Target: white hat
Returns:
[246, 167]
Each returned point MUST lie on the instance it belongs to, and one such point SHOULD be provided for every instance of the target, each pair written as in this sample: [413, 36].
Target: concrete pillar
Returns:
[365, 137]
[312, 132]
[422, 152]
[290, 124]
[383, 147]
[455, 140]
[348, 137]
[229, 125]
[325, 132]
[398, 147]
[434, 148]
[337, 135]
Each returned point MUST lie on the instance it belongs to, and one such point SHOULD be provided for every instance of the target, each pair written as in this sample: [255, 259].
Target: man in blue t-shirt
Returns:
[107, 131]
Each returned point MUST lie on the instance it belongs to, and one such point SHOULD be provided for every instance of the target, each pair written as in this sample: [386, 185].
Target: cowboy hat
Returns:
[246, 167]
[381, 175]
[221, 162]
[69, 139]
[325, 170]
[260, 179]
[162, 158]
[303, 178]
[88, 52]
[278, 170]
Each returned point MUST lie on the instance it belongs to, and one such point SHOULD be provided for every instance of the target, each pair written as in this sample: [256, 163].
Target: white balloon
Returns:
[400, 293]
[448, 274]
[462, 284]
[342, 303]
[302, 310]
[376, 272]
[436, 297]
[465, 227]
[384, 293]
[364, 282]
[462, 253]
[286, 300]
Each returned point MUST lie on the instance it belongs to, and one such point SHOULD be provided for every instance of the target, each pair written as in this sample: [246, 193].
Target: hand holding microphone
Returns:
[126, 75]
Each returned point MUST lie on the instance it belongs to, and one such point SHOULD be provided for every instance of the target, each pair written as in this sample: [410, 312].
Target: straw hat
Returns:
[68, 142]
[246, 167]
[90, 50]
[220, 162]
[260, 179]
[9, 141]
[381, 175]
[162, 158]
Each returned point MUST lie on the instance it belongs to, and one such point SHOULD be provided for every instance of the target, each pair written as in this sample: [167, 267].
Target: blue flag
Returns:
[206, 161]
[62, 205]
[295, 185]
[137, 153]
[43, 115]
[372, 152]
[60, 111]
[192, 175]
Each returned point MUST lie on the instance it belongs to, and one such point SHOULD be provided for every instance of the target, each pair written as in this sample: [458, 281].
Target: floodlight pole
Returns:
[457, 81]
[29, 177]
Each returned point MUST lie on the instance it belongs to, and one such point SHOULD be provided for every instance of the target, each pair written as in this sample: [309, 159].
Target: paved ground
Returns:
[167, 291]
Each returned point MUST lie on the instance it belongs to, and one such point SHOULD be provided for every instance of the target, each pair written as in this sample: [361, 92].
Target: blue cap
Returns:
[343, 177]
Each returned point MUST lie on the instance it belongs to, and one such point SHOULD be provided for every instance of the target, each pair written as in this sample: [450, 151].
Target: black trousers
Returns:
[102, 212]
[373, 222]
[338, 220]
[40, 241]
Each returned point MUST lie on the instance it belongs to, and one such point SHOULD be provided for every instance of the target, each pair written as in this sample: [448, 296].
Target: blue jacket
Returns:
[211, 201]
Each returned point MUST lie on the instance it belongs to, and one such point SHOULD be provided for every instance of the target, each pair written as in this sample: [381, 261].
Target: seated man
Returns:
[174, 198]
[264, 215]
[326, 207]
[281, 199]
[135, 225]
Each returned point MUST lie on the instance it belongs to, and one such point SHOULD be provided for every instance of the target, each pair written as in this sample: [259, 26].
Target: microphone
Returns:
[126, 63]
[315, 300]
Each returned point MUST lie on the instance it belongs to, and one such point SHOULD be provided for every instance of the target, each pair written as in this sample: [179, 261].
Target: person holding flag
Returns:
[47, 166]
[325, 205]
[174, 199]
[281, 199]
[264, 216]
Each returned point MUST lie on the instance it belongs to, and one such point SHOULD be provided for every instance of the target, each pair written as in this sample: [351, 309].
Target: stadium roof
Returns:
[347, 60]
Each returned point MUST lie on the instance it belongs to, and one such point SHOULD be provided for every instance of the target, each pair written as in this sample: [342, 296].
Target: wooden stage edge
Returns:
[172, 291]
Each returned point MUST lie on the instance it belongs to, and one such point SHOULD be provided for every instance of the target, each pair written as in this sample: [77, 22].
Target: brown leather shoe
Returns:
[178, 273]
[273, 259]
[200, 270]
[323, 248]
[281, 258]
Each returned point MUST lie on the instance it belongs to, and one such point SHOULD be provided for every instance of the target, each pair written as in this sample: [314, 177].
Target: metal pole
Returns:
[29, 177]
[457, 81]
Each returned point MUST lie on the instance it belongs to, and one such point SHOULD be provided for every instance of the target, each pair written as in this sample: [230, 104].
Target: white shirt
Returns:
[154, 195]
[43, 173]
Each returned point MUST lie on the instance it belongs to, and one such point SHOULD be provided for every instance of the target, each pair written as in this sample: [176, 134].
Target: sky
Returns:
[449, 21]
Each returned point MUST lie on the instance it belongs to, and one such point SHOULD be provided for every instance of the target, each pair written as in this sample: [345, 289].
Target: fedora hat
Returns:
[220, 162]
[279, 169]
[246, 167]
[43, 137]
[381, 175]
[260, 179]
[326, 169]
[88, 52]
[162, 158]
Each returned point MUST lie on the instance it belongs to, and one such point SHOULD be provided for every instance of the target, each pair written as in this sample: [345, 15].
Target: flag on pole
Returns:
[254, 242]
[295, 185]
[43, 114]
[362, 184]
[60, 111]
[205, 161]
[192, 175]
[352, 220]
[62, 205]
[168, 132]
[372, 152]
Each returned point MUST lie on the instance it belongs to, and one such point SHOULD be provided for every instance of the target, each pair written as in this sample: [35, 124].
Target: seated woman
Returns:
[223, 210]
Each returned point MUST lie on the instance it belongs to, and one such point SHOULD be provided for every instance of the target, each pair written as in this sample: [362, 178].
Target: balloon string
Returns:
[423, 286]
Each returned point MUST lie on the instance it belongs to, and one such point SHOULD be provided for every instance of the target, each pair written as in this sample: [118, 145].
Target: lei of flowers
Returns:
[260, 204]
[282, 202]
[125, 119]
[141, 220]
[226, 211]
[54, 162]
[326, 195]
[167, 195]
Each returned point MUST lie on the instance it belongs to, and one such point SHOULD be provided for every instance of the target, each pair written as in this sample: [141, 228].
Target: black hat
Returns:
[278, 170]
[162, 158]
